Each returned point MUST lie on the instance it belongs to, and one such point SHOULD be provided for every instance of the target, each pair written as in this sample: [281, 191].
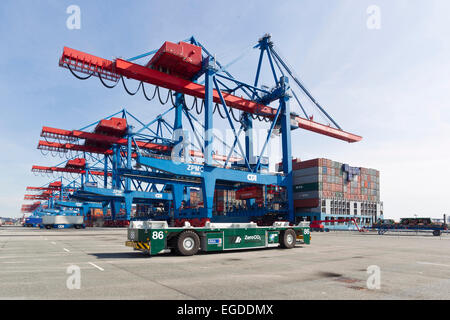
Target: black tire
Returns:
[77, 226]
[288, 239]
[187, 243]
[436, 233]
[48, 226]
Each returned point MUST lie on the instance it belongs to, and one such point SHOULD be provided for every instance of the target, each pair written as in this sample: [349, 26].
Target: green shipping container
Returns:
[316, 186]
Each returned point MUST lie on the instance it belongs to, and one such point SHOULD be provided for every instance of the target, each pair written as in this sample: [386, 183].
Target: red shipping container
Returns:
[249, 193]
[308, 164]
[306, 203]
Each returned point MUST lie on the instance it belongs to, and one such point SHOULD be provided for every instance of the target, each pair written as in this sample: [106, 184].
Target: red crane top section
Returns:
[78, 163]
[113, 70]
[55, 184]
[182, 60]
[116, 127]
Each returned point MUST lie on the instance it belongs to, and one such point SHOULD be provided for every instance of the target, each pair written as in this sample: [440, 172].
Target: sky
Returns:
[389, 84]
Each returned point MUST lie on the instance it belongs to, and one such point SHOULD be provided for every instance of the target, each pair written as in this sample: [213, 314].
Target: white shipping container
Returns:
[62, 219]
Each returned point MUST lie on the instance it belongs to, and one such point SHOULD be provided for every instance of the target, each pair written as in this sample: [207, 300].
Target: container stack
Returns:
[255, 192]
[225, 200]
[94, 218]
[97, 213]
[196, 197]
[322, 178]
[220, 197]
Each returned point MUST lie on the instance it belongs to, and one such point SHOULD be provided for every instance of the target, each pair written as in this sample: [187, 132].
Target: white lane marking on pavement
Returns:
[101, 269]
[433, 264]
[66, 250]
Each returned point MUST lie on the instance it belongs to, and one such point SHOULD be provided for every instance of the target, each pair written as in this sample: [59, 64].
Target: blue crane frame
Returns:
[215, 77]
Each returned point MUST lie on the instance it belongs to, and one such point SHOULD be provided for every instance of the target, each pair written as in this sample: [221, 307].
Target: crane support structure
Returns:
[152, 159]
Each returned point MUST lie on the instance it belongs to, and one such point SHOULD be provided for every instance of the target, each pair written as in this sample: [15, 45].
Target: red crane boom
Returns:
[43, 169]
[61, 134]
[105, 139]
[113, 70]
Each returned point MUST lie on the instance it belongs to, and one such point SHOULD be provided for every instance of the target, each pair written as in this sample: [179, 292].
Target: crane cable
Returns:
[195, 105]
[145, 94]
[169, 96]
[77, 76]
[128, 91]
[103, 82]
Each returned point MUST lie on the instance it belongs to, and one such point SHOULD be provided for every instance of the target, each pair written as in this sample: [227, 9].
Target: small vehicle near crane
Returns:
[411, 224]
[62, 222]
[154, 237]
[32, 221]
[317, 225]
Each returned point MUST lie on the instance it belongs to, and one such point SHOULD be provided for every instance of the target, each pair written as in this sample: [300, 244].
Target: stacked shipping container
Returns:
[332, 188]
[196, 197]
[323, 178]
[224, 198]
[220, 198]
[254, 192]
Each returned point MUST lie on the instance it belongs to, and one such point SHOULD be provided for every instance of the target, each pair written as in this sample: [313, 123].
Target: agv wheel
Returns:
[287, 239]
[188, 243]
[436, 233]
